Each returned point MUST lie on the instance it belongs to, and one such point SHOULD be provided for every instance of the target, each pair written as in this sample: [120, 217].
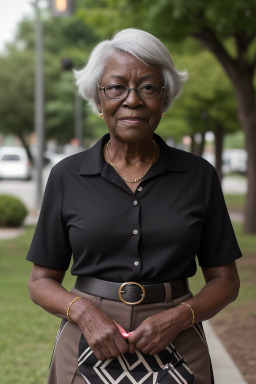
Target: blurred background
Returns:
[43, 120]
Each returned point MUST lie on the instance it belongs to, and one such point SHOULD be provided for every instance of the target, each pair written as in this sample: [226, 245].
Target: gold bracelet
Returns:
[76, 298]
[193, 313]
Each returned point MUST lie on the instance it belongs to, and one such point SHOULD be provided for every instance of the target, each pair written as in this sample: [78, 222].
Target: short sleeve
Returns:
[218, 244]
[50, 245]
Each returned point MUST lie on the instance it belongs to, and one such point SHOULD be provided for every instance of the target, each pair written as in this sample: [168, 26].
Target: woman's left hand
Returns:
[156, 332]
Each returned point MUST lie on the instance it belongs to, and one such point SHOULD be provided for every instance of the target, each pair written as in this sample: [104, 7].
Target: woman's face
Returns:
[131, 119]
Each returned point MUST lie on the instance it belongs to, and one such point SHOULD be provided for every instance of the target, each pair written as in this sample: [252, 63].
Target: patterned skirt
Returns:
[186, 360]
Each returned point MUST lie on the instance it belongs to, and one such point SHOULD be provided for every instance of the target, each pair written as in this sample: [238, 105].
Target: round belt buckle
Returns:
[121, 291]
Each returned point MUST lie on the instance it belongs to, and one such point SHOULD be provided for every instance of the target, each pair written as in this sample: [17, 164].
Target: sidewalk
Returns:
[224, 368]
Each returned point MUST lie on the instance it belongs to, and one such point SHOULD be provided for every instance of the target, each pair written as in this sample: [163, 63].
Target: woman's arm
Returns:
[222, 287]
[101, 332]
[157, 331]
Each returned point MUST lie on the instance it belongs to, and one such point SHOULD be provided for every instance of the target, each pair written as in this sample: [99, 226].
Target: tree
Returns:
[62, 38]
[228, 30]
[231, 37]
[16, 95]
[207, 103]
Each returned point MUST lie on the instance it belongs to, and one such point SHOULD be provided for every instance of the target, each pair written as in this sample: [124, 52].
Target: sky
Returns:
[11, 13]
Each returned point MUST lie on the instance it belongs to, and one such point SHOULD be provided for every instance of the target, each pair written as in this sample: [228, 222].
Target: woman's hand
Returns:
[156, 332]
[102, 333]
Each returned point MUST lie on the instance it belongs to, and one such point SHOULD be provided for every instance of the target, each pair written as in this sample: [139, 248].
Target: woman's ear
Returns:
[98, 103]
[99, 108]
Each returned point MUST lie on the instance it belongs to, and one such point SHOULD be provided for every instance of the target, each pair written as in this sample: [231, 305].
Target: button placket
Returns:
[135, 222]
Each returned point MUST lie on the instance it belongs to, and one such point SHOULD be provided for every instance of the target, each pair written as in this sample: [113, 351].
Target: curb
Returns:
[224, 368]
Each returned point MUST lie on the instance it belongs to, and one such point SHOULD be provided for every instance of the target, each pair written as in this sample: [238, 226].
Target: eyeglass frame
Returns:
[137, 90]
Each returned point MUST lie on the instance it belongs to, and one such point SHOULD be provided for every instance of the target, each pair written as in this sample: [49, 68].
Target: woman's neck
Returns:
[130, 153]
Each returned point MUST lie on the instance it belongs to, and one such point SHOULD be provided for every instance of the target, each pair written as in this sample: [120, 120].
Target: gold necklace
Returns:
[137, 178]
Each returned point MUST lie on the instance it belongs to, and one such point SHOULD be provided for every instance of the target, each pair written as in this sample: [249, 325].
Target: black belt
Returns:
[131, 293]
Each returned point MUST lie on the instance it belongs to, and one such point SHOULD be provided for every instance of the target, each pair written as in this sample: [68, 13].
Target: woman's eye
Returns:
[148, 87]
[115, 88]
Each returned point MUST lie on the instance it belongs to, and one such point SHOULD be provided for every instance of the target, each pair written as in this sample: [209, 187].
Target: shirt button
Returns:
[136, 263]
[139, 189]
[135, 202]
[135, 232]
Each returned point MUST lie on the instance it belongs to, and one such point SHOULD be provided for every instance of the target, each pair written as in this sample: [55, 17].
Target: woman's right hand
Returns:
[100, 331]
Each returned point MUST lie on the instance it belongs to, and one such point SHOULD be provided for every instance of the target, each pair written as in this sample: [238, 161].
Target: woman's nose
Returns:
[133, 98]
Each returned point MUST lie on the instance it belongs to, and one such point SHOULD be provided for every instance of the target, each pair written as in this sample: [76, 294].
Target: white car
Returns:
[14, 163]
[235, 160]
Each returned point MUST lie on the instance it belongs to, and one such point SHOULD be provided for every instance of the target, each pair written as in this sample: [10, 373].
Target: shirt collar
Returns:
[94, 161]
[170, 158]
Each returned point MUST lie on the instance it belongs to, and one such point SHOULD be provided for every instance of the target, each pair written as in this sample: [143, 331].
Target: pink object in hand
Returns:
[124, 334]
[122, 331]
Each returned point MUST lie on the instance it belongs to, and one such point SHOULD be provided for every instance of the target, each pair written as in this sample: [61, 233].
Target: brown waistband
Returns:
[131, 293]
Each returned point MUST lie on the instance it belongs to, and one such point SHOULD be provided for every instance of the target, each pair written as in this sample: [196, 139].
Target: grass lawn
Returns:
[28, 332]
[235, 202]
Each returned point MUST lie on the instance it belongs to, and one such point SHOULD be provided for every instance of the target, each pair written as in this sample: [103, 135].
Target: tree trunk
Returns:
[219, 134]
[25, 145]
[197, 148]
[193, 144]
[247, 117]
[241, 74]
[201, 145]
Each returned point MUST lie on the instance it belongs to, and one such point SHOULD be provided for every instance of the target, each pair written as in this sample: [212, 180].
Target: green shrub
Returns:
[12, 211]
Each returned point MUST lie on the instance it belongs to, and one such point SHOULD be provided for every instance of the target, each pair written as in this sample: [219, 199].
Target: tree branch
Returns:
[207, 37]
[242, 44]
[253, 64]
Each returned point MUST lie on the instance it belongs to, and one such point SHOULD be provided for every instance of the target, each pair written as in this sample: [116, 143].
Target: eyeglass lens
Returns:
[145, 91]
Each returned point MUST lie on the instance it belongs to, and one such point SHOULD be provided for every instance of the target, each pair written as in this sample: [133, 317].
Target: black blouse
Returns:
[152, 235]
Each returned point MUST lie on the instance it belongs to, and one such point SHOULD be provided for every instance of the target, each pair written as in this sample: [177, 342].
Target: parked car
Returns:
[235, 160]
[53, 158]
[14, 163]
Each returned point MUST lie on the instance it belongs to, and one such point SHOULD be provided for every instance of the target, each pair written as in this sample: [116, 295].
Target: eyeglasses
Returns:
[144, 91]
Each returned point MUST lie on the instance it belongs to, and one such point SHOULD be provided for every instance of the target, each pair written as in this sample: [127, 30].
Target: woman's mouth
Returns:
[132, 120]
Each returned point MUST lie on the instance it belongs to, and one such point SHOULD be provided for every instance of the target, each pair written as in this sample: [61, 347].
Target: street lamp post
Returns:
[39, 103]
[59, 8]
[65, 8]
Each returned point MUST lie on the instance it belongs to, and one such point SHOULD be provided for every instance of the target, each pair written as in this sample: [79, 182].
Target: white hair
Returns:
[145, 47]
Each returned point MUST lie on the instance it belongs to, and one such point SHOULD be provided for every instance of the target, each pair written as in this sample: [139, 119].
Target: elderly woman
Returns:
[134, 213]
